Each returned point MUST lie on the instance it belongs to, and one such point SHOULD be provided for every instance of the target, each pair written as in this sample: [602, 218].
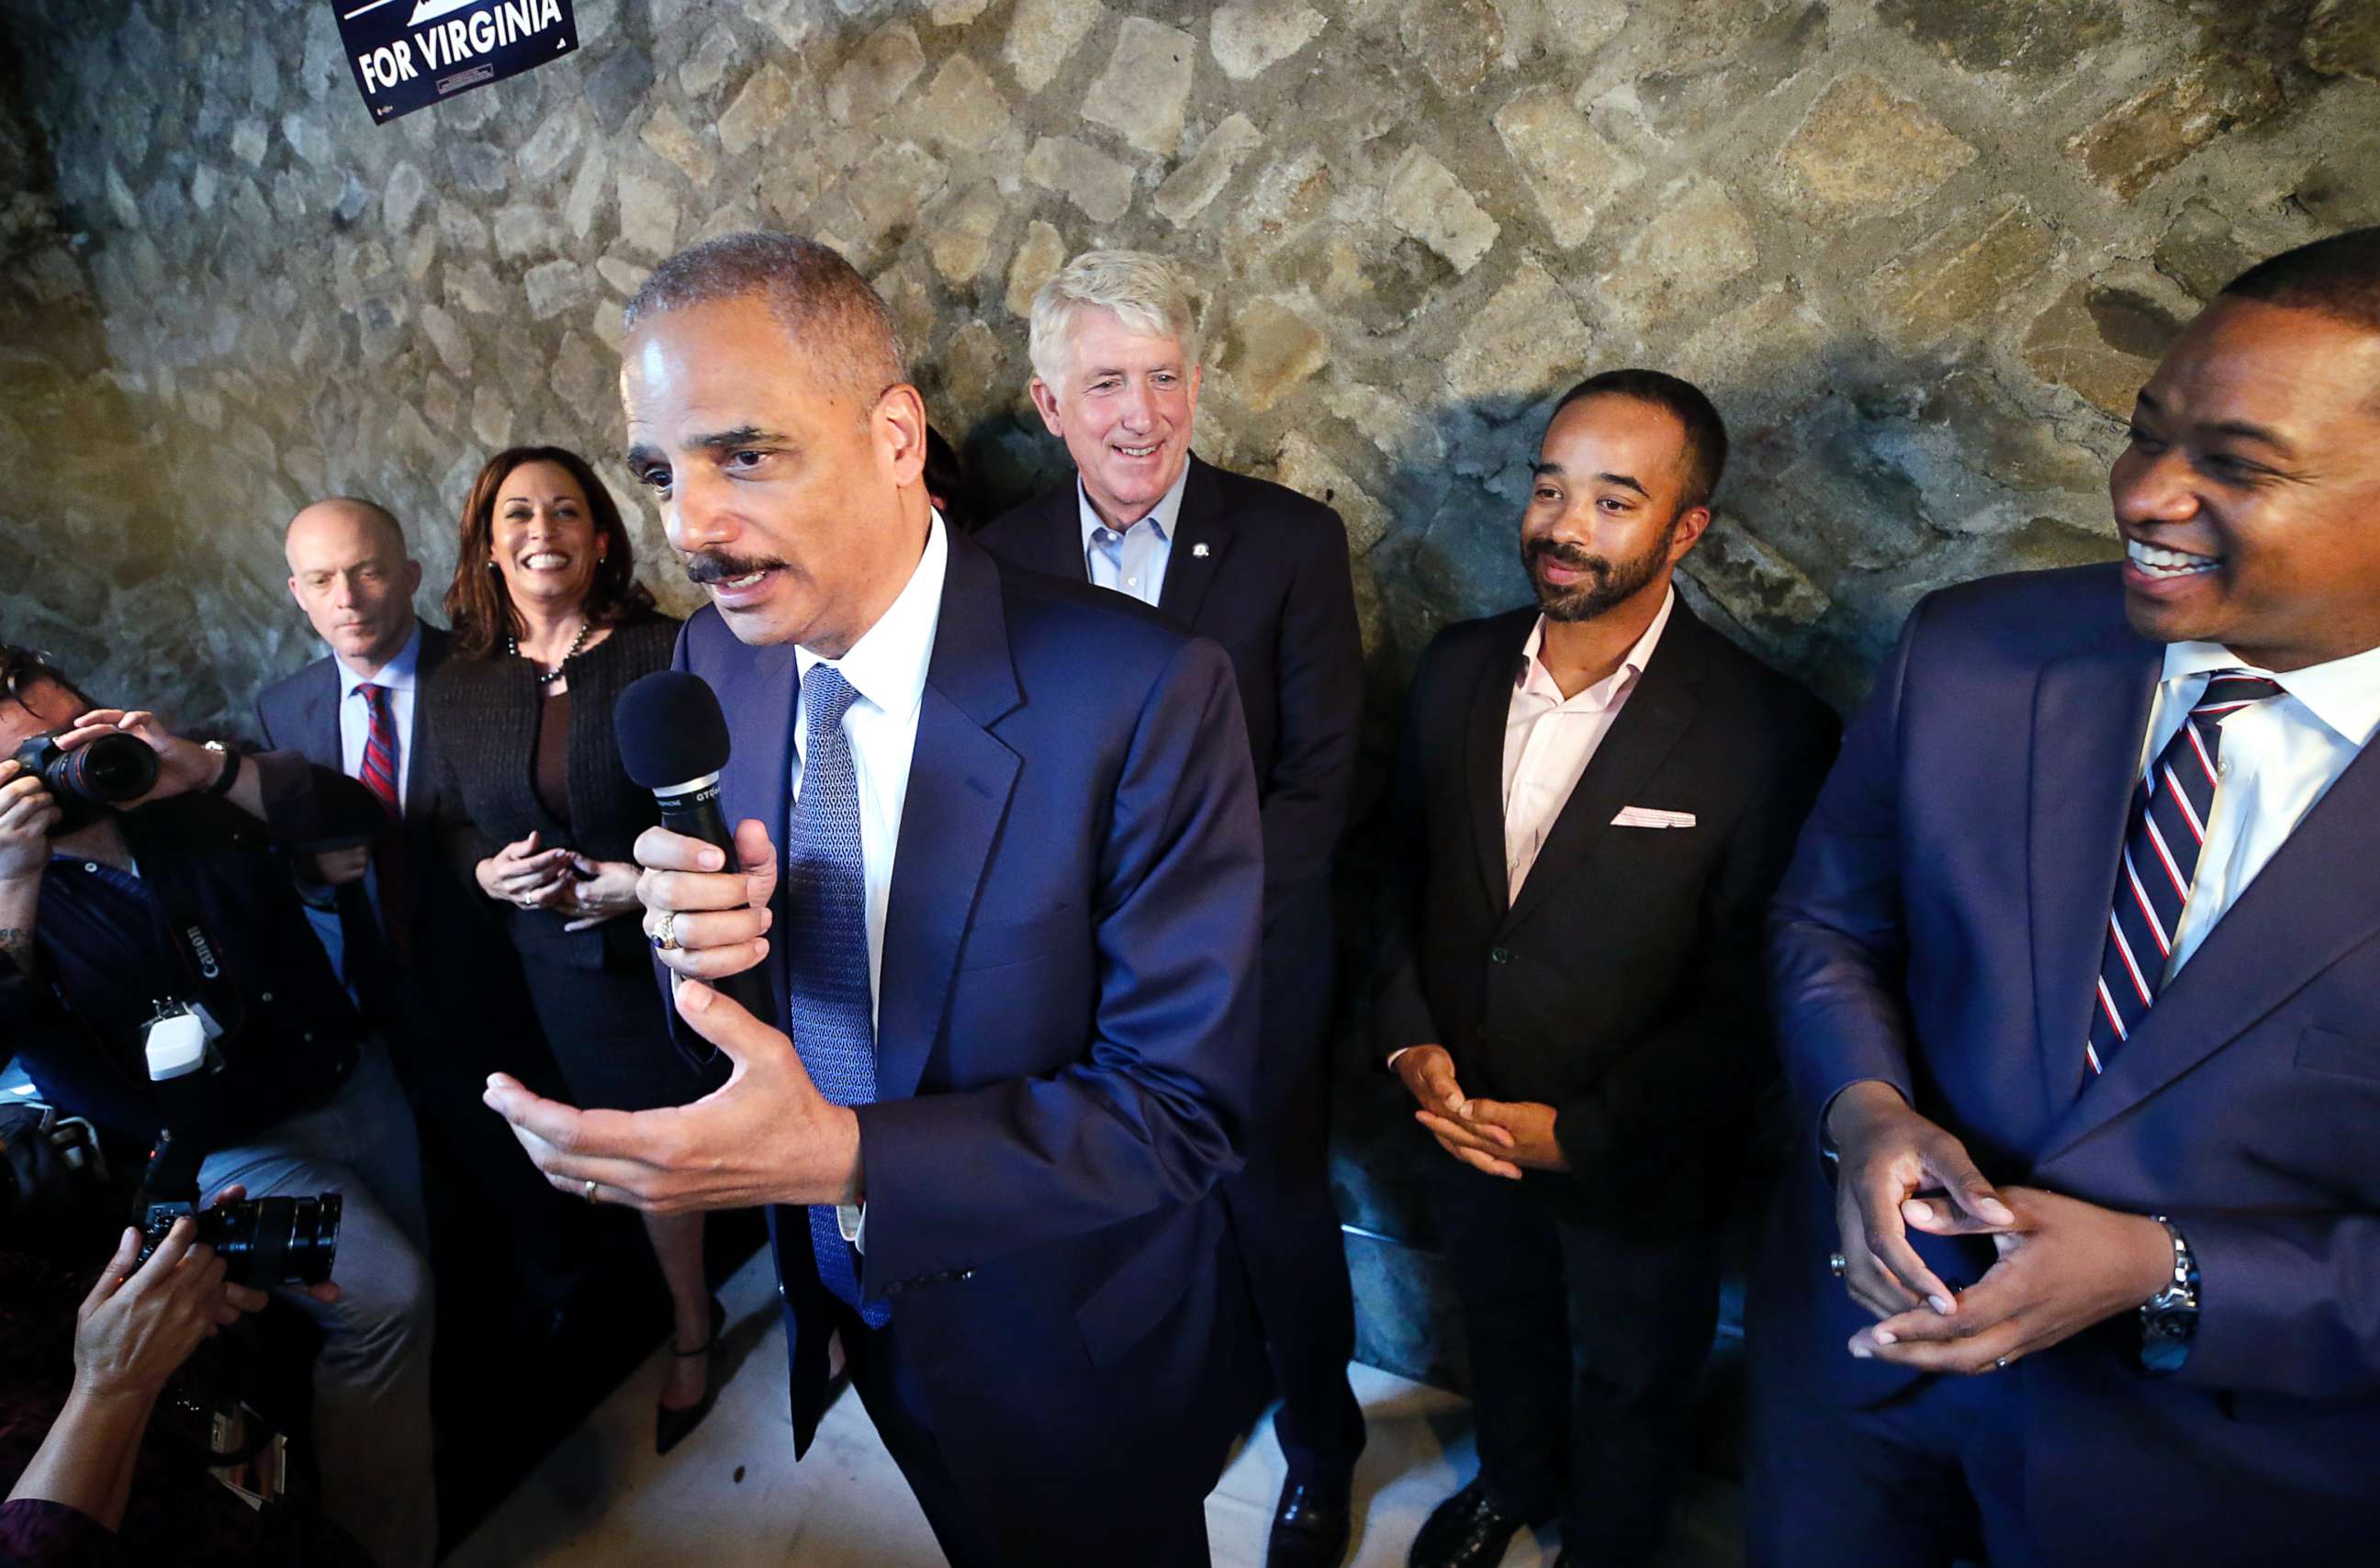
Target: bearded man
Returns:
[1602, 794]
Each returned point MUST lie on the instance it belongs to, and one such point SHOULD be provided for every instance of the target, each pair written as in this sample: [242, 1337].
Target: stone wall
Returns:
[1921, 252]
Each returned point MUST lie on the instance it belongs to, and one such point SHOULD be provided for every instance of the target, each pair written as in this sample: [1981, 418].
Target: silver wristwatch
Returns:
[2169, 1318]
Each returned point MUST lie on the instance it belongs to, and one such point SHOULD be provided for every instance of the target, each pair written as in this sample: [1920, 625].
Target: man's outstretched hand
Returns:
[765, 1135]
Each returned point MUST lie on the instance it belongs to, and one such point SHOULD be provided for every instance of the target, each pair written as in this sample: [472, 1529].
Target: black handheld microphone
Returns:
[673, 742]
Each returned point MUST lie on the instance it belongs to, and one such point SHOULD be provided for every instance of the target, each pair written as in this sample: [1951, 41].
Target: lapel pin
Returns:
[1201, 550]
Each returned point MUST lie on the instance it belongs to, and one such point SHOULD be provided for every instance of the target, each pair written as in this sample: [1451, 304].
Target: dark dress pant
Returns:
[1587, 1335]
[1279, 1200]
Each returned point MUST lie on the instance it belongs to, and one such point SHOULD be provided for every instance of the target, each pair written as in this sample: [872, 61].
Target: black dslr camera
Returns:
[263, 1241]
[111, 769]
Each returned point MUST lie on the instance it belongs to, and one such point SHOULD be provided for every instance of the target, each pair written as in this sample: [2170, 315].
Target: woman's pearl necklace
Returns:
[547, 678]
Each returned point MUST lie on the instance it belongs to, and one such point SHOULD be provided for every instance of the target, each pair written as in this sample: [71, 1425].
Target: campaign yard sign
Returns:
[409, 53]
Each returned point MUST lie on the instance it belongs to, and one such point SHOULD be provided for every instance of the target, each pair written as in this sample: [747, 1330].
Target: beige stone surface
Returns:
[1042, 33]
[1143, 92]
[1426, 200]
[1098, 184]
[1572, 169]
[1273, 350]
[1865, 148]
[1958, 276]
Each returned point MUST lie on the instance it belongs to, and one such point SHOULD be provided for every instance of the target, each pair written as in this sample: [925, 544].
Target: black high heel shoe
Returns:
[671, 1424]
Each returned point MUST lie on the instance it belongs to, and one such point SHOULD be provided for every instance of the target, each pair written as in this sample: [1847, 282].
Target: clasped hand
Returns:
[1500, 1137]
[588, 892]
[2063, 1264]
[765, 1135]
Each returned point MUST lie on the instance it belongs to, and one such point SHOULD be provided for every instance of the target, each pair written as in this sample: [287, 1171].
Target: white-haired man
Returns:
[1263, 571]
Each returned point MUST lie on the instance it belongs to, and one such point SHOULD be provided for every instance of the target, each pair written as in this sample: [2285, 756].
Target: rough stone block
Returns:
[1767, 595]
[707, 67]
[966, 109]
[524, 229]
[2102, 341]
[880, 70]
[1865, 149]
[1456, 41]
[460, 227]
[1272, 350]
[1249, 35]
[668, 134]
[1143, 92]
[401, 196]
[472, 287]
[625, 277]
[1426, 202]
[1526, 337]
[555, 287]
[248, 143]
[1098, 184]
[1307, 469]
[762, 104]
[546, 150]
[647, 214]
[1698, 241]
[1043, 32]
[203, 185]
[1572, 169]
[306, 137]
[2157, 127]
[1188, 189]
[447, 337]
[890, 191]
[1957, 278]
[2032, 37]
[959, 243]
[2200, 250]
[956, 13]
[491, 415]
[421, 253]
[2342, 38]
[587, 190]
[1036, 262]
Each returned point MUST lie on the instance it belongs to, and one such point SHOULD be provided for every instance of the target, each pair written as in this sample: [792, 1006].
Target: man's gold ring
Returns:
[665, 932]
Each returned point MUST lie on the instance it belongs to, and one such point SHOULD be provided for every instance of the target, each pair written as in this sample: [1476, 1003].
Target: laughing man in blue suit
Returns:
[1012, 937]
[2078, 979]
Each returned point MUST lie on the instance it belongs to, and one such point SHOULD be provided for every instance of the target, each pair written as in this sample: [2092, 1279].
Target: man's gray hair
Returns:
[1148, 294]
[819, 298]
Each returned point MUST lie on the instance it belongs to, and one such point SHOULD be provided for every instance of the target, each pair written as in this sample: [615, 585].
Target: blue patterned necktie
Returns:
[831, 1012]
[2170, 810]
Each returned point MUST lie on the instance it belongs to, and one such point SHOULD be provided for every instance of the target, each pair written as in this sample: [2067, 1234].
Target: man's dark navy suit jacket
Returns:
[1941, 929]
[1067, 1034]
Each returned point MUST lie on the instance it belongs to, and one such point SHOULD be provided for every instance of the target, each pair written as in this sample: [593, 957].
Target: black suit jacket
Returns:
[1263, 571]
[483, 717]
[300, 712]
[1624, 986]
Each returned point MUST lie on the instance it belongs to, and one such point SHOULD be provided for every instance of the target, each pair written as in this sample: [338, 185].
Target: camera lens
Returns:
[113, 768]
[275, 1241]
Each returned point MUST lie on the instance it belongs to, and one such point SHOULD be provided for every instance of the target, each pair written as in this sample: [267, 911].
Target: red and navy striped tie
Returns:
[2170, 814]
[379, 774]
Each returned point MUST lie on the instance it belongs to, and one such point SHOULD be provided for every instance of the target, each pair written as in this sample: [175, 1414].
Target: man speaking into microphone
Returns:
[997, 852]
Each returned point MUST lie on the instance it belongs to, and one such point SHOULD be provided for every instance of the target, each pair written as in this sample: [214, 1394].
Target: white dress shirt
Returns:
[1550, 739]
[1134, 561]
[2279, 758]
[887, 667]
[354, 712]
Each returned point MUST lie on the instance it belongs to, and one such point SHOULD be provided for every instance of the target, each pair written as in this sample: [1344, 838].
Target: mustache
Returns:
[707, 567]
[1578, 558]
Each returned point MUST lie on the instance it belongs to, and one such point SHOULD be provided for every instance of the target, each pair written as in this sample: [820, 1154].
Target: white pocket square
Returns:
[1646, 817]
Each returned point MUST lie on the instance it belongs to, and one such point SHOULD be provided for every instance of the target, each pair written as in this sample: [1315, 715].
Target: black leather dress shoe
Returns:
[1464, 1532]
[1311, 1526]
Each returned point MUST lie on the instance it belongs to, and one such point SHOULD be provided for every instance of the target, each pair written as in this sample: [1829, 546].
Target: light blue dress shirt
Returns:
[1132, 560]
[354, 713]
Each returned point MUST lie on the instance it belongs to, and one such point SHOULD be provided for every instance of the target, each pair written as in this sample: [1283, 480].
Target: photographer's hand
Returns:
[182, 765]
[26, 813]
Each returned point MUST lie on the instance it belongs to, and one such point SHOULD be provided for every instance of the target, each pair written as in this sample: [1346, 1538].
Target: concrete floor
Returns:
[732, 1496]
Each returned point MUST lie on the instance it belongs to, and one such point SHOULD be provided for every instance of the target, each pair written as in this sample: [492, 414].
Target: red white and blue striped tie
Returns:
[379, 774]
[2171, 809]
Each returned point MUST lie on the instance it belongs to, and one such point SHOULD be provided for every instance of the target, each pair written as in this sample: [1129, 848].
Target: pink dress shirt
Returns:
[1550, 739]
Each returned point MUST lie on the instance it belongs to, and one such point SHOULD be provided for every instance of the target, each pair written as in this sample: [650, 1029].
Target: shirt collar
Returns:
[887, 664]
[1603, 692]
[396, 674]
[1162, 517]
[2343, 693]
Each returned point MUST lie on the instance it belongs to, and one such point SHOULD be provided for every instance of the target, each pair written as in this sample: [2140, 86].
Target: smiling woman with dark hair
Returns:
[550, 624]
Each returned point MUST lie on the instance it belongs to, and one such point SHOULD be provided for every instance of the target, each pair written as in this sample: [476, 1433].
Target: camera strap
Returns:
[203, 960]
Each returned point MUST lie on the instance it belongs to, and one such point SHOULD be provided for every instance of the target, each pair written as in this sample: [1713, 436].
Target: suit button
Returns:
[966, 1274]
[1499, 955]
